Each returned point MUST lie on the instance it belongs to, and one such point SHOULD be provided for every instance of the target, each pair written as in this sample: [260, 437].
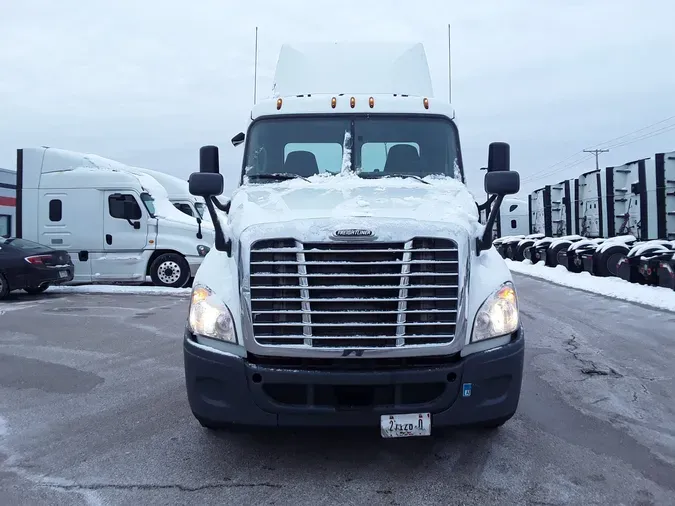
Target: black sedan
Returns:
[29, 266]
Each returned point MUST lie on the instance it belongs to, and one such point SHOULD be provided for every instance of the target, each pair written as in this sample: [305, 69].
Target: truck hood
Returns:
[441, 200]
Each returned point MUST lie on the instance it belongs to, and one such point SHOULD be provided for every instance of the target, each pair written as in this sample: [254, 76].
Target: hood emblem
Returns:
[362, 234]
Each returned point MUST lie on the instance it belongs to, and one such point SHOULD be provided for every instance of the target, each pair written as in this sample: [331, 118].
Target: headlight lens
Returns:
[209, 317]
[498, 316]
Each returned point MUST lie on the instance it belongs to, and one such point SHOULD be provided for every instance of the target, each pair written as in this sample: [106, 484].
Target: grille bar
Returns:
[340, 251]
[347, 295]
[334, 263]
[344, 324]
[354, 299]
[415, 311]
[263, 274]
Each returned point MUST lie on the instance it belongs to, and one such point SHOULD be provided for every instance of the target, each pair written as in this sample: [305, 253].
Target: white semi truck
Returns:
[352, 283]
[117, 226]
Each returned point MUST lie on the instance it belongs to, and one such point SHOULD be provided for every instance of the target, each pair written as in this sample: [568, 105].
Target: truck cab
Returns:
[118, 226]
[352, 282]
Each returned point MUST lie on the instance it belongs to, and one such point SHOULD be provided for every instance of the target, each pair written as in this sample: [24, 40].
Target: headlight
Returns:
[202, 250]
[498, 316]
[209, 317]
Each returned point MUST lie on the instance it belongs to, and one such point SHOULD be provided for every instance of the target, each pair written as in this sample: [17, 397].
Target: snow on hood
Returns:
[444, 200]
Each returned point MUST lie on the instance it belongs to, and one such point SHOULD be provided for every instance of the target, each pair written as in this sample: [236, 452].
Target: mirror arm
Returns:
[221, 243]
[225, 208]
[485, 242]
[487, 203]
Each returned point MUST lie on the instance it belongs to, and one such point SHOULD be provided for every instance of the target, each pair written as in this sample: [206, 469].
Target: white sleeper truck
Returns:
[117, 226]
[351, 283]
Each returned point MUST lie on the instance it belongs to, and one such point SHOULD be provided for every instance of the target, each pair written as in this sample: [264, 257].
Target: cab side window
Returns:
[183, 207]
[116, 205]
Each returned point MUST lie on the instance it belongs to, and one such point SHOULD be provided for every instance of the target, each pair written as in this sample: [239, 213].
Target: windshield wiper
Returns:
[279, 176]
[379, 176]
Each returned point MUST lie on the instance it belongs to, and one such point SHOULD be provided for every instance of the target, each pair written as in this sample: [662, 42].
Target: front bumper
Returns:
[228, 389]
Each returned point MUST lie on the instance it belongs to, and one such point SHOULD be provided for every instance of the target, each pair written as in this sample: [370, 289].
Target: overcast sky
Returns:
[148, 82]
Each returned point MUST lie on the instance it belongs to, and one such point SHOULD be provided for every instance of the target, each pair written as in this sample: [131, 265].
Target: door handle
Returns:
[108, 239]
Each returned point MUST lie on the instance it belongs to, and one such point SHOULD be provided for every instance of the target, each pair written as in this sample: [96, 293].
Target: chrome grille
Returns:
[354, 295]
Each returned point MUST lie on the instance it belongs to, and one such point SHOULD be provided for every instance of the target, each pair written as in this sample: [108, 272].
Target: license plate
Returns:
[405, 425]
[63, 274]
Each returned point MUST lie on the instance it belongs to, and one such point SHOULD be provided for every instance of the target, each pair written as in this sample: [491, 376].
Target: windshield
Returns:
[149, 203]
[373, 146]
[23, 244]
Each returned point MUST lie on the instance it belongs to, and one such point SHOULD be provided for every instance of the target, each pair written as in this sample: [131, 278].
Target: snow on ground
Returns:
[655, 296]
[119, 289]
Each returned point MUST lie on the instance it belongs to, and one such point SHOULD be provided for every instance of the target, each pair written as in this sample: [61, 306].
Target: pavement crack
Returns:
[589, 367]
[157, 486]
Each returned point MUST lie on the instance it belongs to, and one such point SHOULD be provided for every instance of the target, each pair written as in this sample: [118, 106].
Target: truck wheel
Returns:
[4, 287]
[171, 270]
[552, 254]
[519, 255]
[609, 259]
[34, 290]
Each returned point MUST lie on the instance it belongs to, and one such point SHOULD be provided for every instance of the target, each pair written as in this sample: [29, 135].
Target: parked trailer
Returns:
[589, 205]
[665, 194]
[7, 202]
[551, 209]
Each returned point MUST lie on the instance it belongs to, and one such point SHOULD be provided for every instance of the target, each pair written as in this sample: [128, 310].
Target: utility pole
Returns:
[596, 152]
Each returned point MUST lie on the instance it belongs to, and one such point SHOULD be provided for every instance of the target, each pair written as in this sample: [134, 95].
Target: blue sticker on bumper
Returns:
[466, 390]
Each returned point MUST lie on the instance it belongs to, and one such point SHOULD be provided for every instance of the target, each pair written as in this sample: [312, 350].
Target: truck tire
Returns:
[552, 254]
[609, 259]
[170, 270]
[519, 255]
[4, 286]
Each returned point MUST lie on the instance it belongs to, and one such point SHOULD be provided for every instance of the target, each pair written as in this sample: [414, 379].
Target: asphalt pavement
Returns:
[93, 411]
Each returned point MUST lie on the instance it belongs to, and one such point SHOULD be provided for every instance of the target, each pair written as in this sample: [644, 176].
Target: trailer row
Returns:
[615, 221]
[637, 198]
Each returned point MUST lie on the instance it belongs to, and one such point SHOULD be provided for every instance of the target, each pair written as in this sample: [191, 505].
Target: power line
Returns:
[596, 152]
[644, 136]
[547, 171]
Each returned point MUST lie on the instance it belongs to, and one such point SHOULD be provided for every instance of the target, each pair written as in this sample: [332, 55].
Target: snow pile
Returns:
[436, 199]
[655, 296]
[119, 289]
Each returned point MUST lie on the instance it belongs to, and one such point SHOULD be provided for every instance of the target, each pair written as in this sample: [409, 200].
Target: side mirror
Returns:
[208, 159]
[499, 157]
[502, 183]
[238, 139]
[206, 184]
